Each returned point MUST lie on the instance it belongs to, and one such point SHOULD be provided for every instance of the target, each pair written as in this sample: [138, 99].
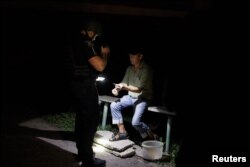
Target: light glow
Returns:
[100, 78]
[98, 149]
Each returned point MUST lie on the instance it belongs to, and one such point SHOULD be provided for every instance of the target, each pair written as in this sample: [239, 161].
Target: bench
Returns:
[156, 109]
[163, 110]
[106, 100]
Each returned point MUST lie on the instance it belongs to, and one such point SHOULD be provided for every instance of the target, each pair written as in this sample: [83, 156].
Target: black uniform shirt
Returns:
[84, 49]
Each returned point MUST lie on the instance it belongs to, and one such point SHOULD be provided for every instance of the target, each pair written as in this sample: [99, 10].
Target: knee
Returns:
[112, 105]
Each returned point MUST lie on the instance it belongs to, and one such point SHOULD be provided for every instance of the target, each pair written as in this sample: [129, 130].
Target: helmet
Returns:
[94, 25]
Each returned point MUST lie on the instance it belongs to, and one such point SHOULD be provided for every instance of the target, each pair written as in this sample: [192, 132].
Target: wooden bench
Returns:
[156, 109]
[106, 100]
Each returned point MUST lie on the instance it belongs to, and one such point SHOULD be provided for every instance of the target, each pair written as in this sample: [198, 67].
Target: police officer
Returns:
[89, 57]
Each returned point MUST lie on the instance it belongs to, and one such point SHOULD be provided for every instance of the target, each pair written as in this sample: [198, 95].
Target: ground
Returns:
[37, 143]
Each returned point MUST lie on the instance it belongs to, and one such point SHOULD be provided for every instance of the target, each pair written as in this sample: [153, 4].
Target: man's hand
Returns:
[105, 52]
[115, 92]
[119, 86]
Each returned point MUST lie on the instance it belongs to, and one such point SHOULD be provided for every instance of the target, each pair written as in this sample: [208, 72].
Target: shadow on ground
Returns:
[42, 144]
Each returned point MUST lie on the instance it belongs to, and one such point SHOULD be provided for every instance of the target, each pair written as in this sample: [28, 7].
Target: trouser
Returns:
[139, 106]
[87, 117]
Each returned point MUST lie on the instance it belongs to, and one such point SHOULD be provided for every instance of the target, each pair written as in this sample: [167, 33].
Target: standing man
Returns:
[137, 81]
[89, 57]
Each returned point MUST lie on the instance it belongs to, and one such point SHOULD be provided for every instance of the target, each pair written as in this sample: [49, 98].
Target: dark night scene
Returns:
[123, 83]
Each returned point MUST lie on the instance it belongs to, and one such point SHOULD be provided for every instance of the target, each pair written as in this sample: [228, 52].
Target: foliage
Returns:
[65, 121]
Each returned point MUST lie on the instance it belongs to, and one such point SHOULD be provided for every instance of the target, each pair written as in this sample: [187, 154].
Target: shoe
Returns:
[95, 162]
[119, 136]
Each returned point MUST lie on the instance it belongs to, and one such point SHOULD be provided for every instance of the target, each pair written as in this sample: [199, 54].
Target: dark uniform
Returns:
[85, 96]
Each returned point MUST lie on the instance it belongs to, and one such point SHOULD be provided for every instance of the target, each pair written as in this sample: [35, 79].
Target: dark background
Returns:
[201, 56]
[36, 63]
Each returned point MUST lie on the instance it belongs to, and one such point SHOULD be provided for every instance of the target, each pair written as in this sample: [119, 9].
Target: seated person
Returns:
[137, 81]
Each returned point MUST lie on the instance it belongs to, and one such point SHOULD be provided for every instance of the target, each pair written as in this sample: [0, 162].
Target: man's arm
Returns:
[130, 88]
[123, 85]
[145, 78]
[100, 62]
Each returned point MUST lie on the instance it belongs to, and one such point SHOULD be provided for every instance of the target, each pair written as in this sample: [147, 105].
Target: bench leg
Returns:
[169, 123]
[105, 113]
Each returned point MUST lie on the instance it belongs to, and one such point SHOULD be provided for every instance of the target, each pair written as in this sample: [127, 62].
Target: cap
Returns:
[94, 25]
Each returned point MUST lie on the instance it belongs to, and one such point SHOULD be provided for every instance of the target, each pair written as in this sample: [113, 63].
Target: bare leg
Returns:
[121, 128]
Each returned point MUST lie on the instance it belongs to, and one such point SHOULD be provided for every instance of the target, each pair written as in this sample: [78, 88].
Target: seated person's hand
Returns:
[115, 92]
[118, 86]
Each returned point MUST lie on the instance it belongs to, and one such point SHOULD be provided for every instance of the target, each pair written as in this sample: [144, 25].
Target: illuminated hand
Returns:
[115, 92]
[118, 86]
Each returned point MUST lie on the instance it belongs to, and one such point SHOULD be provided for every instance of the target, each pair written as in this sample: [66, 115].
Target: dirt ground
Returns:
[21, 146]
